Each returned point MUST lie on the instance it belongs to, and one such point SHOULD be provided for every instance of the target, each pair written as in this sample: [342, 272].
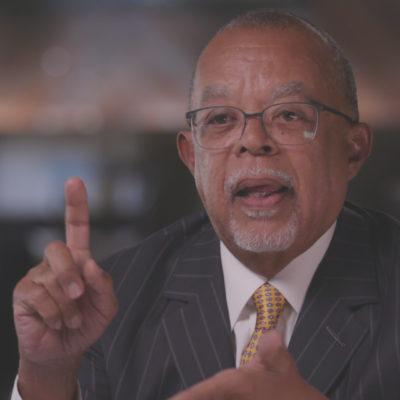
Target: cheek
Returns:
[322, 178]
[210, 173]
[206, 177]
[337, 166]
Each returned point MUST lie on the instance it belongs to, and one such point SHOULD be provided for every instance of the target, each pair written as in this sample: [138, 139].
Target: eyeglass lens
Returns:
[289, 123]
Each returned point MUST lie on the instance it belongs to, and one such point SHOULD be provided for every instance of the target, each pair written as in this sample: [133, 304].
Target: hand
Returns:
[65, 303]
[271, 375]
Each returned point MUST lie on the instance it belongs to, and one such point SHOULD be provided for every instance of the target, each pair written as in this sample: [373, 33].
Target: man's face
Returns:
[263, 197]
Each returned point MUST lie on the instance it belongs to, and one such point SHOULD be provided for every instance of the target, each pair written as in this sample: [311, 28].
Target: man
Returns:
[274, 141]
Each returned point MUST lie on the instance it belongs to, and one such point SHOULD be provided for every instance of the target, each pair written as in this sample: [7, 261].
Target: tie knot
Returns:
[269, 303]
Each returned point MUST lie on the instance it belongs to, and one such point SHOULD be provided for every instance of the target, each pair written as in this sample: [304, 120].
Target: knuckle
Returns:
[38, 295]
[21, 284]
[48, 280]
[58, 266]
[24, 287]
[36, 271]
[69, 308]
[19, 290]
[43, 275]
[54, 247]
[51, 314]
[73, 319]
[65, 276]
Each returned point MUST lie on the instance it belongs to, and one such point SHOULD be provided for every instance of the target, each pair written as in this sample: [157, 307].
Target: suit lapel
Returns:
[328, 332]
[196, 321]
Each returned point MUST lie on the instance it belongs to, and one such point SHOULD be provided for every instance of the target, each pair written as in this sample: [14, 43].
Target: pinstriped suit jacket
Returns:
[172, 329]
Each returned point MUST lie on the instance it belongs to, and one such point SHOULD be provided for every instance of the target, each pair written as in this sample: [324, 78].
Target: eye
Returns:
[220, 118]
[288, 115]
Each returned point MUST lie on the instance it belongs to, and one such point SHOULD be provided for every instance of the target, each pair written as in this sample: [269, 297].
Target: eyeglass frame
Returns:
[318, 106]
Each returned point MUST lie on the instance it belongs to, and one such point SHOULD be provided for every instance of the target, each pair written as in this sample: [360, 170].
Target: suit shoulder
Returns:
[379, 221]
[383, 231]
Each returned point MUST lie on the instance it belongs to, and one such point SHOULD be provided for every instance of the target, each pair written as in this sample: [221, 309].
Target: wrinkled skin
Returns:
[65, 303]
[252, 69]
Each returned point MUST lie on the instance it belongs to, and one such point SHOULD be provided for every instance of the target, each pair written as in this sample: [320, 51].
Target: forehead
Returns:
[269, 62]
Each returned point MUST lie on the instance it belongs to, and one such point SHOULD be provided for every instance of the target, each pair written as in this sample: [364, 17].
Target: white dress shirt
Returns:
[292, 281]
[241, 283]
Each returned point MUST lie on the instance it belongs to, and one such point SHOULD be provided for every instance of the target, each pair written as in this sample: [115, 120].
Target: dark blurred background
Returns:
[98, 89]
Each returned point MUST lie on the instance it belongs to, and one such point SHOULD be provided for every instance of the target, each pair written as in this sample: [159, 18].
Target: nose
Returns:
[255, 140]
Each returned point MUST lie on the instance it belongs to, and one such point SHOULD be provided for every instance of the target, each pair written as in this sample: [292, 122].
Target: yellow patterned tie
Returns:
[269, 303]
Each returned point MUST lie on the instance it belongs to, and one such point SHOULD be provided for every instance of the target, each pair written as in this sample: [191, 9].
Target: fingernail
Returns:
[74, 290]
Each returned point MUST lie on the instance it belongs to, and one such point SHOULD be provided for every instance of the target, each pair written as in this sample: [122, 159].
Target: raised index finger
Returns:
[77, 228]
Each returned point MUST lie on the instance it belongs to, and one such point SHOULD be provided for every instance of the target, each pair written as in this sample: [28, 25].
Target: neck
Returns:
[266, 264]
[269, 263]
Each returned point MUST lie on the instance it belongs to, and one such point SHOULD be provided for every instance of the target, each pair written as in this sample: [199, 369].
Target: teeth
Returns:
[259, 194]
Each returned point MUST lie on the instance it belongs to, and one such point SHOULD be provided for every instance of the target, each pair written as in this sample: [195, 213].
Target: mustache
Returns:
[233, 180]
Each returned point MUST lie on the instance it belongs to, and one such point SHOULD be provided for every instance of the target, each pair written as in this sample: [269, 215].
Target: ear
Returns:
[184, 143]
[360, 146]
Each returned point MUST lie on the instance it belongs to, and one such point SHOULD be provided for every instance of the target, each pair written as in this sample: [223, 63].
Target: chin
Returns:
[260, 236]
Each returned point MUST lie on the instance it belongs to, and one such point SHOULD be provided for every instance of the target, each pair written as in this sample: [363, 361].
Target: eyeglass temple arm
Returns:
[333, 111]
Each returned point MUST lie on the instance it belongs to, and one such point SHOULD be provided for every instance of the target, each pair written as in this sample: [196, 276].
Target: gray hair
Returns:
[279, 19]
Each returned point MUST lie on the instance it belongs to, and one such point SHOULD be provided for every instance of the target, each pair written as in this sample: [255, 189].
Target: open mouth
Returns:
[261, 191]
[256, 193]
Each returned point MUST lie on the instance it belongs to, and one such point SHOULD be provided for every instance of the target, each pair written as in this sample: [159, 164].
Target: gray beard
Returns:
[262, 240]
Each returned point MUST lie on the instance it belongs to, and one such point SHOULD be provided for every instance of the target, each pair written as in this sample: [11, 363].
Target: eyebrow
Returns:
[212, 91]
[288, 89]
[295, 87]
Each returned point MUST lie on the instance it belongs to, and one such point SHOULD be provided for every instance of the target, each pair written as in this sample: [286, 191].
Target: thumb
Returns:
[100, 287]
[273, 354]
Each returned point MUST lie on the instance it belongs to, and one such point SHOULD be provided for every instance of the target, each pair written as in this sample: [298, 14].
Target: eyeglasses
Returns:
[293, 123]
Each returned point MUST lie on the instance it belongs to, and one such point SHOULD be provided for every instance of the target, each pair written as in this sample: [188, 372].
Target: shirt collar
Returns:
[292, 281]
